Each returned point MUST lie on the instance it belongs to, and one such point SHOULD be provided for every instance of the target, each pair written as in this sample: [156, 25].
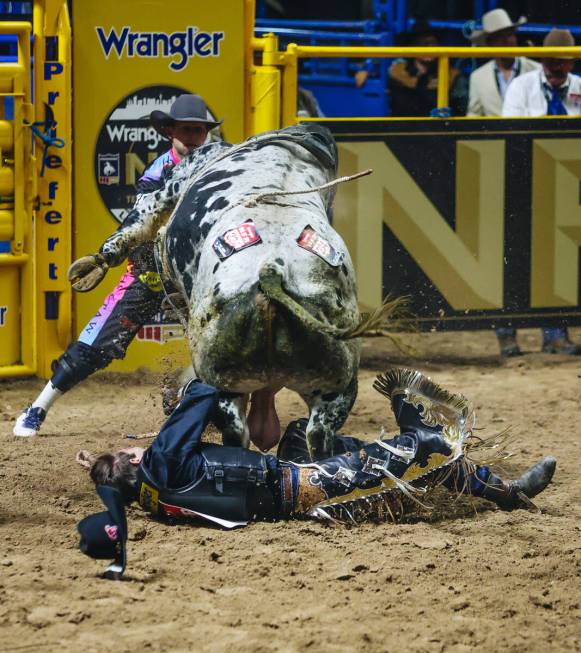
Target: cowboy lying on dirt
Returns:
[179, 476]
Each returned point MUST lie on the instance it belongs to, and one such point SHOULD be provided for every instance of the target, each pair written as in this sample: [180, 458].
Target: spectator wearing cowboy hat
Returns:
[488, 84]
[550, 91]
[413, 83]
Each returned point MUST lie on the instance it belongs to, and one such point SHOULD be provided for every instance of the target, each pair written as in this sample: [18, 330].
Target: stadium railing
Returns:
[294, 53]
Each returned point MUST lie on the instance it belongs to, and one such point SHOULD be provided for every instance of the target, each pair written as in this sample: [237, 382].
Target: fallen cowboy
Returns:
[179, 476]
[262, 279]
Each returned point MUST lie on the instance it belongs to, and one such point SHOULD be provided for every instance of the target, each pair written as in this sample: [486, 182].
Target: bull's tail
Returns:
[271, 284]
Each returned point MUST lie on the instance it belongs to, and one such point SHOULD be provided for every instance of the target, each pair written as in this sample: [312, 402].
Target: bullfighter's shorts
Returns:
[132, 303]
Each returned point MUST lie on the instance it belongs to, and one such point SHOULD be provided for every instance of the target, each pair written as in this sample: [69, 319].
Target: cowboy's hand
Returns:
[87, 272]
[85, 458]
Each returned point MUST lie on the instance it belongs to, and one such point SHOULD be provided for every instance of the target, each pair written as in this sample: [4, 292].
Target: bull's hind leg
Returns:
[230, 419]
[328, 413]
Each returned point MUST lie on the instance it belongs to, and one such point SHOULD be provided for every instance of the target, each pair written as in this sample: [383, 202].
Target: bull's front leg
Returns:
[230, 420]
[328, 414]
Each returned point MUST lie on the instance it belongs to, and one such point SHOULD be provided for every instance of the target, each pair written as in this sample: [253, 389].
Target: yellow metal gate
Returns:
[17, 191]
[35, 193]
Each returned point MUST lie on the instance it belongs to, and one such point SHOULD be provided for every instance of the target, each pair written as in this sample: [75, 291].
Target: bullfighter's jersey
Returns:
[156, 172]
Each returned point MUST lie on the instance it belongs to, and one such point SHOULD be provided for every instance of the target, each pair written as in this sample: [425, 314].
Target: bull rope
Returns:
[260, 198]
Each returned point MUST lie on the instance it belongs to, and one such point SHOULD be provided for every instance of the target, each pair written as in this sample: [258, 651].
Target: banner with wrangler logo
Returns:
[477, 221]
[129, 60]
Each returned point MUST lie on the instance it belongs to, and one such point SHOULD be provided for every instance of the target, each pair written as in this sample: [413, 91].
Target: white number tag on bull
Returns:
[235, 239]
[310, 240]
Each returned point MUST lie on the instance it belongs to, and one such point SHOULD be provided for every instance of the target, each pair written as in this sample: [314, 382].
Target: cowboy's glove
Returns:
[87, 272]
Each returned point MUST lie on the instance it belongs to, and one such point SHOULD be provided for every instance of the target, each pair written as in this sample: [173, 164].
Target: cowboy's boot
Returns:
[432, 423]
[507, 495]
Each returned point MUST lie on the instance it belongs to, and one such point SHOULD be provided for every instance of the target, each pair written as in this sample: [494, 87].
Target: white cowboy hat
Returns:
[494, 21]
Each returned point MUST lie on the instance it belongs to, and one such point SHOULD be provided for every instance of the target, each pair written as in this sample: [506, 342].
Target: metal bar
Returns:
[322, 35]
[257, 43]
[17, 370]
[539, 28]
[22, 86]
[443, 82]
[11, 69]
[305, 51]
[290, 86]
[251, 44]
[15, 27]
[272, 24]
[401, 13]
[8, 260]
[531, 28]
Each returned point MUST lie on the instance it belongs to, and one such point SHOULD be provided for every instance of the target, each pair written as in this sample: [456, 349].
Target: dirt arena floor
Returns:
[453, 581]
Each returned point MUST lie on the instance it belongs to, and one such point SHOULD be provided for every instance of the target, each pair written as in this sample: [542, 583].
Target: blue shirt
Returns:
[174, 460]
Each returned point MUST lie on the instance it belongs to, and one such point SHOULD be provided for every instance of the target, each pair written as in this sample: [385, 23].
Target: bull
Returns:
[244, 234]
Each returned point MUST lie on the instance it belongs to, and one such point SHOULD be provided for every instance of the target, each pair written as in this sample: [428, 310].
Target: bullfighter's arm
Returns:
[148, 214]
[152, 208]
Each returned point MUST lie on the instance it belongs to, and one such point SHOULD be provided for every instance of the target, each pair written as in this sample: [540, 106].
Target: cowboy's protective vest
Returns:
[233, 488]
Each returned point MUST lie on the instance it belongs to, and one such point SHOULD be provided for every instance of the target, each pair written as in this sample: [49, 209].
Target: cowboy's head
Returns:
[118, 470]
[557, 69]
[498, 31]
[186, 125]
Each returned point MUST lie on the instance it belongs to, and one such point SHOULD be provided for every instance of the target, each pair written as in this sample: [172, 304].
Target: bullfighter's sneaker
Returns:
[29, 422]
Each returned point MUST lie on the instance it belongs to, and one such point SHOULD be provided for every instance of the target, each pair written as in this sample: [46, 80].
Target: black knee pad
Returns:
[77, 363]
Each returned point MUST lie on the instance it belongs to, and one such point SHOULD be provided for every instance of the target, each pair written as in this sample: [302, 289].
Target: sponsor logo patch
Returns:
[180, 47]
[160, 333]
[311, 241]
[112, 532]
[236, 239]
[108, 169]
[149, 498]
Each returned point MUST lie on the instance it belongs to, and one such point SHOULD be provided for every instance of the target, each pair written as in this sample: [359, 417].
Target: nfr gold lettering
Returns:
[466, 264]
[556, 222]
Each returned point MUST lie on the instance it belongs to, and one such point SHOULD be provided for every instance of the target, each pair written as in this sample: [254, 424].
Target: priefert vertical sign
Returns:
[54, 224]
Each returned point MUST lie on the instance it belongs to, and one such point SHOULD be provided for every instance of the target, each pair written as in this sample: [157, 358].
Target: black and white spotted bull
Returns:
[268, 283]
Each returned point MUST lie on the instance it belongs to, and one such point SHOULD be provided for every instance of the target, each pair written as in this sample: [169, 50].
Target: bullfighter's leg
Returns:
[230, 419]
[132, 303]
[328, 413]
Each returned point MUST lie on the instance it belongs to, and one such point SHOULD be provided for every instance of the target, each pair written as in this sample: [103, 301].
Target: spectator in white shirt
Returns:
[551, 91]
[488, 83]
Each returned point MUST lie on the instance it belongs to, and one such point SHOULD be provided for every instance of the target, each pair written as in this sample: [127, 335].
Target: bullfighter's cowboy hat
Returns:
[186, 108]
[494, 21]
